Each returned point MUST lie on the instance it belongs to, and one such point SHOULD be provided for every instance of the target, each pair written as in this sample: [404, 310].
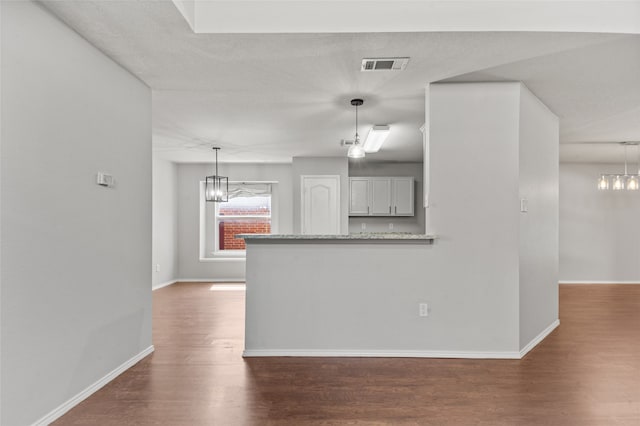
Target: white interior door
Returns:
[320, 213]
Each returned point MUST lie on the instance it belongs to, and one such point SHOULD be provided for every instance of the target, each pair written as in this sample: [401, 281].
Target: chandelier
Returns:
[216, 187]
[622, 181]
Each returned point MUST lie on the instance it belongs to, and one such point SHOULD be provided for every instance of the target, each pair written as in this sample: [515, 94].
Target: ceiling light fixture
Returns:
[620, 182]
[216, 187]
[376, 137]
[356, 150]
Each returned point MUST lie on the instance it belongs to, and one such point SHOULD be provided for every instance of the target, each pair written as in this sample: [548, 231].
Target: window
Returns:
[248, 211]
[246, 214]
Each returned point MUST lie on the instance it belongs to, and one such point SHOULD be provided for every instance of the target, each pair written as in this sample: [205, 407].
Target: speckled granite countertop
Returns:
[396, 236]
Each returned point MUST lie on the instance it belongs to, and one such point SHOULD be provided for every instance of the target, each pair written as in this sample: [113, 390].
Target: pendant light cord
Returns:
[357, 138]
[625, 159]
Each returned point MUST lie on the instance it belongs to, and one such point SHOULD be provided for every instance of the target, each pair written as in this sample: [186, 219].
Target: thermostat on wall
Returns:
[104, 179]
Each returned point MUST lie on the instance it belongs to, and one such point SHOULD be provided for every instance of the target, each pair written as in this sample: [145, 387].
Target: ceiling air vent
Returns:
[384, 64]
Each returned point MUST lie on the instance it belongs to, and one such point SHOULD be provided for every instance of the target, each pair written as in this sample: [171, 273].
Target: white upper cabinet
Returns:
[359, 197]
[381, 196]
[403, 196]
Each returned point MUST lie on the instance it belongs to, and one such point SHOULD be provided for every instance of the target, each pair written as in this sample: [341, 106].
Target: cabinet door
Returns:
[403, 196]
[381, 196]
[359, 197]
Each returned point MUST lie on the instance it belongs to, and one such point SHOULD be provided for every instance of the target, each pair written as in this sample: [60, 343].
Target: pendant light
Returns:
[620, 182]
[356, 150]
[216, 187]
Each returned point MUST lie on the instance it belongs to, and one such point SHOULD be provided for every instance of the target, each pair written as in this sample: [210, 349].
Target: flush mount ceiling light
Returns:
[619, 182]
[356, 150]
[376, 137]
[216, 187]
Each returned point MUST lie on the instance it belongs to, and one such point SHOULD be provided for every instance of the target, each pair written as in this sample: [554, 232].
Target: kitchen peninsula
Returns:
[487, 287]
[311, 295]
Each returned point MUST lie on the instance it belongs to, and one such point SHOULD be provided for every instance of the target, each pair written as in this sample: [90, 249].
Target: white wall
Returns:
[539, 144]
[190, 267]
[474, 208]
[599, 230]
[76, 300]
[414, 224]
[165, 222]
[321, 166]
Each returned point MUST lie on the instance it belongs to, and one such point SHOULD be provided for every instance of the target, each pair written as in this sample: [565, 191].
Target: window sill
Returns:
[238, 256]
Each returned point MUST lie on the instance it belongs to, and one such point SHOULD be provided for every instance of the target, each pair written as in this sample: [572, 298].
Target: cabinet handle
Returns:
[396, 211]
[367, 209]
[389, 209]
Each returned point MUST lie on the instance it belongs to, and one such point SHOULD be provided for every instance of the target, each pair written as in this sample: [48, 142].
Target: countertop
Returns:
[372, 236]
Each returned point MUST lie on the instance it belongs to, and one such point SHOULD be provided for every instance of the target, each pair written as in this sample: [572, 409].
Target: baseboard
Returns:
[68, 405]
[599, 282]
[211, 280]
[377, 354]
[539, 338]
[163, 285]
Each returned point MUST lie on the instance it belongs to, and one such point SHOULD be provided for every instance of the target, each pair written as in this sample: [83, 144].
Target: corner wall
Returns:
[165, 223]
[76, 299]
[538, 246]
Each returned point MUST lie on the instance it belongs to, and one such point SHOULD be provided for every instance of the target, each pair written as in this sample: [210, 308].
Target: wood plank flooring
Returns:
[587, 373]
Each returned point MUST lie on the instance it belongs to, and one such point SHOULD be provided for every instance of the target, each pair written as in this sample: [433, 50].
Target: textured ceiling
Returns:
[271, 97]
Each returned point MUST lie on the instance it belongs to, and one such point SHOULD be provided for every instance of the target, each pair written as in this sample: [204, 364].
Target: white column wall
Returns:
[539, 133]
[473, 209]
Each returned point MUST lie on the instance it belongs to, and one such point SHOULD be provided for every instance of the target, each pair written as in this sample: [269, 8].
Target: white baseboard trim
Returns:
[68, 405]
[377, 354]
[539, 338]
[163, 285]
[211, 280]
[599, 282]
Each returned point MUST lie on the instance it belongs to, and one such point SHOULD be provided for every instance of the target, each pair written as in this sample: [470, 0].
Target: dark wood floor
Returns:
[587, 372]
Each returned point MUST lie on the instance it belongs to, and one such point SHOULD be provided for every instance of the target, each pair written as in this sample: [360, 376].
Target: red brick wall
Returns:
[228, 231]
[243, 211]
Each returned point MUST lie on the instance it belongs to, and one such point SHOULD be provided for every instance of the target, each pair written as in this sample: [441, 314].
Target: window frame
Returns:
[209, 219]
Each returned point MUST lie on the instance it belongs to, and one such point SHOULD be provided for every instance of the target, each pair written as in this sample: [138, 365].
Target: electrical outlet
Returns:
[391, 226]
[364, 226]
[423, 310]
[157, 267]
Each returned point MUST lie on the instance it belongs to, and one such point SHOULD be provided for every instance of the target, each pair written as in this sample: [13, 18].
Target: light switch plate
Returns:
[104, 179]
